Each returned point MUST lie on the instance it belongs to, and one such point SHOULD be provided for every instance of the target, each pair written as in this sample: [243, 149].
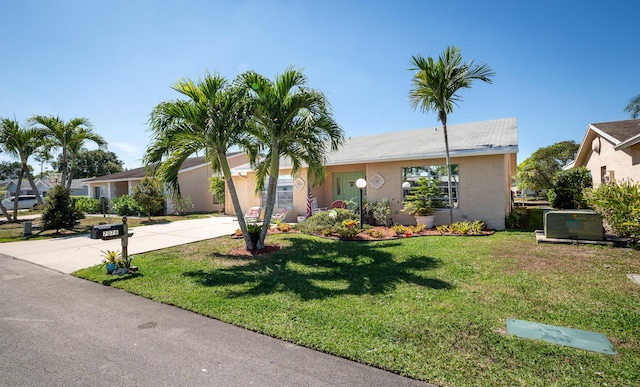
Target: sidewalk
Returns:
[69, 254]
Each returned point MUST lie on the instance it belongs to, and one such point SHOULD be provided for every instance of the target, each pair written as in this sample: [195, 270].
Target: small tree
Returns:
[59, 210]
[149, 196]
[567, 188]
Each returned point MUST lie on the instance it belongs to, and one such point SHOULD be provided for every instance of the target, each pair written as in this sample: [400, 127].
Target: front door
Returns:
[344, 187]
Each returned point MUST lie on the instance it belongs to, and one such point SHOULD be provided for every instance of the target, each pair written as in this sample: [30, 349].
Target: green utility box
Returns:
[573, 224]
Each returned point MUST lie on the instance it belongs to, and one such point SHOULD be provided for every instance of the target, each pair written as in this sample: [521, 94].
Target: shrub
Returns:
[182, 205]
[462, 228]
[217, 187]
[149, 196]
[59, 211]
[323, 220]
[400, 229]
[567, 188]
[125, 206]
[619, 205]
[87, 205]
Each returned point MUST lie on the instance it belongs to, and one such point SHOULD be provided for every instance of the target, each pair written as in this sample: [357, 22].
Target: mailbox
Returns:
[107, 231]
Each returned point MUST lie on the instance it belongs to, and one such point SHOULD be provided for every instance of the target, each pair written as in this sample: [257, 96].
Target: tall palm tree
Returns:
[79, 136]
[633, 107]
[436, 83]
[211, 120]
[20, 143]
[292, 121]
[64, 136]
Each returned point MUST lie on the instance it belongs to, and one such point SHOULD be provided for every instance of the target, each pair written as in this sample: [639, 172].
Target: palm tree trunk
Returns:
[272, 189]
[32, 183]
[226, 172]
[16, 197]
[448, 161]
[5, 212]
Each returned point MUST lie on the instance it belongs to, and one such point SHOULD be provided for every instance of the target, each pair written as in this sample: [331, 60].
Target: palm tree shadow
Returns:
[315, 269]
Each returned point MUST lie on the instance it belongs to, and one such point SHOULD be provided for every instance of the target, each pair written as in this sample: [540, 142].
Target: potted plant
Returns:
[110, 259]
[422, 201]
[254, 232]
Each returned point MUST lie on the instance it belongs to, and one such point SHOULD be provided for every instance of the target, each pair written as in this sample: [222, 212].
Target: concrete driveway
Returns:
[69, 254]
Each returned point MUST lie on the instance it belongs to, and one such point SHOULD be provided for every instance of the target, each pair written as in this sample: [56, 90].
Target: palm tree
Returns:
[20, 143]
[68, 137]
[292, 121]
[213, 119]
[79, 136]
[435, 85]
[633, 107]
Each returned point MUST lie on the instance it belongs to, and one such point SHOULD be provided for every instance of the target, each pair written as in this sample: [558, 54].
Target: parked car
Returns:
[24, 202]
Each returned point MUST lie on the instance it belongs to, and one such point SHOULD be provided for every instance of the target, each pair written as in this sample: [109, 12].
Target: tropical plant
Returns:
[253, 228]
[149, 196]
[435, 87]
[125, 205]
[110, 256]
[619, 205]
[59, 211]
[20, 143]
[211, 120]
[289, 120]
[567, 188]
[633, 107]
[87, 205]
[69, 138]
[423, 198]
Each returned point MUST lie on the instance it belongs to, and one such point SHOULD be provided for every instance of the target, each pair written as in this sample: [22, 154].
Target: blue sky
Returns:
[559, 65]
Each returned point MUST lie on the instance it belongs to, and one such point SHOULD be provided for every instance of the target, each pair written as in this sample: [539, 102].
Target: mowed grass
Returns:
[431, 308]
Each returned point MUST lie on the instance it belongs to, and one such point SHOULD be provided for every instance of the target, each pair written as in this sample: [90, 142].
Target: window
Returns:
[284, 193]
[438, 172]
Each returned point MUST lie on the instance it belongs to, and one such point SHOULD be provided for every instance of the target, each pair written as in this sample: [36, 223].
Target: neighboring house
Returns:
[483, 159]
[611, 151]
[79, 187]
[9, 187]
[193, 178]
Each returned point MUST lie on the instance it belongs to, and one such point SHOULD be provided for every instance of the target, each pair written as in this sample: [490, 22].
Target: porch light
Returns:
[361, 184]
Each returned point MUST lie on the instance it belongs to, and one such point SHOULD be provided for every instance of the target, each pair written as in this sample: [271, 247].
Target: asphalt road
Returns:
[58, 330]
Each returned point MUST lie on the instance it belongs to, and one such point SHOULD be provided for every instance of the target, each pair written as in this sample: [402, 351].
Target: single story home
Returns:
[483, 159]
[193, 178]
[610, 151]
[9, 187]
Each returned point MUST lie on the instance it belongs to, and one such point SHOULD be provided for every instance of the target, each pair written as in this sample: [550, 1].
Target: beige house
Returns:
[611, 151]
[193, 178]
[483, 158]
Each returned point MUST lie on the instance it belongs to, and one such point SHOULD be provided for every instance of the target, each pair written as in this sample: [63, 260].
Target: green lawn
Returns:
[431, 308]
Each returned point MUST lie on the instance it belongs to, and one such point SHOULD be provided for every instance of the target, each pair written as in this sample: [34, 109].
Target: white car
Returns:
[24, 202]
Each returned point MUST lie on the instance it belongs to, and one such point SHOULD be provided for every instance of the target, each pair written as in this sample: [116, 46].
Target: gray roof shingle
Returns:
[494, 136]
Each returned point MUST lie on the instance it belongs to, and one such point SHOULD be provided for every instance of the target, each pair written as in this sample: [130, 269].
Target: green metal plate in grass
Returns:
[576, 338]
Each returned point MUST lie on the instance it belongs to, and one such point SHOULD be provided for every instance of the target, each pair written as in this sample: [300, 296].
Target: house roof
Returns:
[618, 132]
[621, 134]
[139, 173]
[469, 139]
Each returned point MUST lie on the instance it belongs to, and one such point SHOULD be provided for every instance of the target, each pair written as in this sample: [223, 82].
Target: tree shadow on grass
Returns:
[315, 269]
[117, 278]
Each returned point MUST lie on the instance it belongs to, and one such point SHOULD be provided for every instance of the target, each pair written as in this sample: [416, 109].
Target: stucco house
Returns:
[611, 151]
[483, 158]
[193, 178]
[9, 187]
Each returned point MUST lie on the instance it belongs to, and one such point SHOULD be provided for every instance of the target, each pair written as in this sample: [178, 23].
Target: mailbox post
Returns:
[125, 239]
